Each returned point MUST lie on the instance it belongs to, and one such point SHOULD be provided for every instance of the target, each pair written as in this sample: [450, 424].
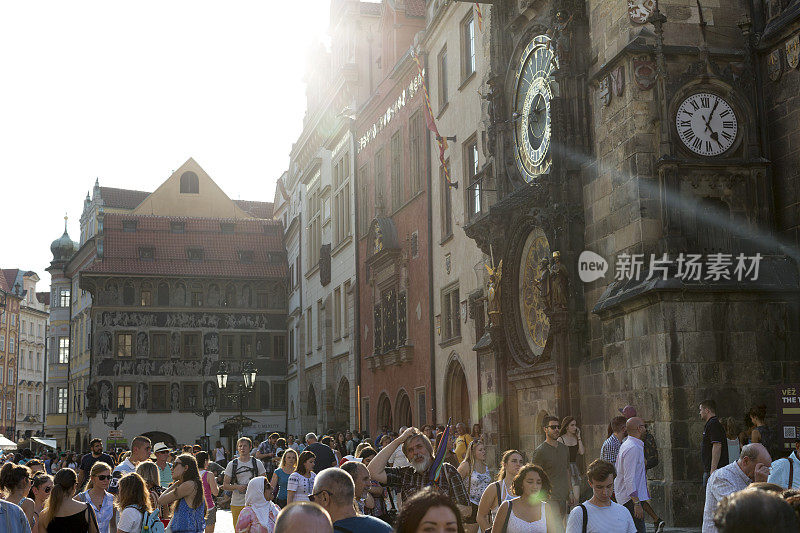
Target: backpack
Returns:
[650, 451]
[253, 470]
[585, 523]
[151, 522]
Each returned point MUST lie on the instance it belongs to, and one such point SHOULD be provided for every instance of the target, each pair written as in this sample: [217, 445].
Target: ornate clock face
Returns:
[706, 124]
[534, 321]
[532, 108]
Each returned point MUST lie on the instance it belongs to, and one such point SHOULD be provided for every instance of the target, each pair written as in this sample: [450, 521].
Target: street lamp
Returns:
[209, 405]
[119, 416]
[242, 390]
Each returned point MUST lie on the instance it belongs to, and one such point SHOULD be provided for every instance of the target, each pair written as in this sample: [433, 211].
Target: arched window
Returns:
[128, 294]
[230, 296]
[190, 183]
[163, 294]
[247, 296]
[312, 401]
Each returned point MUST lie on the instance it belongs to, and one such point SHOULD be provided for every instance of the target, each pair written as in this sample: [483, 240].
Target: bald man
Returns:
[630, 486]
[303, 516]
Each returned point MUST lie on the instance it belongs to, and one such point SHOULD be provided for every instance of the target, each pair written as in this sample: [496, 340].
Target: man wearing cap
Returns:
[161, 452]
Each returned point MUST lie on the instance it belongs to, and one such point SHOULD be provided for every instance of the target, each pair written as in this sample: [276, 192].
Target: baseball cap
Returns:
[628, 411]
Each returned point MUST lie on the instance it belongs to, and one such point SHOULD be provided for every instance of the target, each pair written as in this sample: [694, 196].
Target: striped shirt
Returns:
[610, 449]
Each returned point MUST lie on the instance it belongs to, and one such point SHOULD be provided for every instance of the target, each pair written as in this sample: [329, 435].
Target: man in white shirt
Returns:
[753, 465]
[786, 472]
[630, 486]
[600, 513]
[140, 451]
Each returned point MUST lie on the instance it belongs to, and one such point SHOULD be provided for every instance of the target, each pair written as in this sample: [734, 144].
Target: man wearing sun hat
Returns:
[161, 452]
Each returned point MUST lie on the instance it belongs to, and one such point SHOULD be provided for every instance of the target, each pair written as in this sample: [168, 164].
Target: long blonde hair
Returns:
[133, 491]
[470, 459]
[286, 452]
[64, 483]
[98, 467]
[149, 473]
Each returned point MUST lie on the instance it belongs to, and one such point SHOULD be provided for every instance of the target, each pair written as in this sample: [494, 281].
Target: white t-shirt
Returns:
[130, 520]
[220, 454]
[244, 473]
[614, 518]
[301, 485]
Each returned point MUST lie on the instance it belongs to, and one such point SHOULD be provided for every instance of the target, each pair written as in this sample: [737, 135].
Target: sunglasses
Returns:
[312, 497]
[555, 427]
[103, 477]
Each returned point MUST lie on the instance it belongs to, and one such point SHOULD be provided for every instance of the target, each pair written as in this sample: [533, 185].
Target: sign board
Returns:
[114, 443]
[114, 433]
[788, 399]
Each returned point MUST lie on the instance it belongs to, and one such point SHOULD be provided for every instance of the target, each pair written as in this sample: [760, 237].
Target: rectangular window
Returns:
[451, 323]
[397, 170]
[158, 397]
[337, 313]
[197, 299]
[191, 345]
[291, 346]
[309, 330]
[226, 346]
[279, 395]
[246, 346]
[63, 350]
[194, 254]
[347, 306]
[441, 62]
[279, 347]
[471, 171]
[124, 344]
[12, 349]
[246, 256]
[320, 324]
[467, 46]
[125, 396]
[158, 347]
[177, 227]
[147, 298]
[263, 395]
[227, 228]
[261, 300]
[190, 391]
[416, 147]
[63, 298]
[447, 203]
[129, 226]
[147, 253]
[61, 406]
[2, 343]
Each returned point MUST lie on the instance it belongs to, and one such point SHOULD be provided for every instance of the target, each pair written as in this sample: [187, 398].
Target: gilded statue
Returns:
[493, 292]
[543, 285]
[559, 283]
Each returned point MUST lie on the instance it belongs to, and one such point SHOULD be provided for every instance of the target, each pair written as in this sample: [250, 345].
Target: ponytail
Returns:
[63, 487]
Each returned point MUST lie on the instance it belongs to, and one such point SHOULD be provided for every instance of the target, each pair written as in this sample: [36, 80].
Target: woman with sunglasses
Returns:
[301, 481]
[15, 480]
[40, 492]
[97, 495]
[189, 511]
[259, 513]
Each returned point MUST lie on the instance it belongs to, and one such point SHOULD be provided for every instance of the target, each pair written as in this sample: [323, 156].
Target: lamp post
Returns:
[242, 389]
[209, 405]
[119, 416]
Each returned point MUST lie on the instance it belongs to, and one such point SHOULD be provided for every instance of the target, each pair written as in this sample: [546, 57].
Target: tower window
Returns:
[190, 183]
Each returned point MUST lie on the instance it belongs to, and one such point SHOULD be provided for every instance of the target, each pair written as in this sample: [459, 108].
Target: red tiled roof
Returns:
[10, 275]
[43, 297]
[415, 8]
[220, 251]
[257, 209]
[122, 198]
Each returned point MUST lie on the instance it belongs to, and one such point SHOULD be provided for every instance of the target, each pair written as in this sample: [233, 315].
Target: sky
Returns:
[126, 92]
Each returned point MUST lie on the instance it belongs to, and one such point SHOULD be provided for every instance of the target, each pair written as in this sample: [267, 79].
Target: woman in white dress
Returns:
[476, 477]
[529, 512]
[501, 490]
[301, 481]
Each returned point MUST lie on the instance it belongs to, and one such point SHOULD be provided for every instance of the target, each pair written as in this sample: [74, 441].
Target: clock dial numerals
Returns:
[532, 108]
[706, 124]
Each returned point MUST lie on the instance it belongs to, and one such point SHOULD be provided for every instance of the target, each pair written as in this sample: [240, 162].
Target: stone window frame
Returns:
[243, 339]
[184, 347]
[132, 348]
[153, 351]
[185, 394]
[151, 396]
[451, 312]
[469, 64]
[233, 353]
[132, 398]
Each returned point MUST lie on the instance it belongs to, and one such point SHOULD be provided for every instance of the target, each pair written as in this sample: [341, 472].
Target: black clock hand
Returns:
[715, 137]
[716, 103]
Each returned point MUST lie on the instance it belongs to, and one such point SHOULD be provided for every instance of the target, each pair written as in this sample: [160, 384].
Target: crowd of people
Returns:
[433, 479]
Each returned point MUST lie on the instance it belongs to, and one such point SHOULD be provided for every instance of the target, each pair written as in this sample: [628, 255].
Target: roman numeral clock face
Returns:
[706, 124]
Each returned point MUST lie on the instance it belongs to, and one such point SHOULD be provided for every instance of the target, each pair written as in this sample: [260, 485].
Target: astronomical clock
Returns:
[534, 260]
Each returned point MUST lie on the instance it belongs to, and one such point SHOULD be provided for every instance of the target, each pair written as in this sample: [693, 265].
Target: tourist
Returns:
[133, 501]
[712, 452]
[99, 498]
[753, 465]
[301, 482]
[303, 516]
[732, 438]
[188, 514]
[462, 440]
[63, 514]
[754, 511]
[786, 471]
[553, 457]
[398, 458]
[429, 511]
[530, 511]
[35, 465]
[239, 472]
[162, 453]
[610, 448]
[340, 446]
[97, 454]
[15, 480]
[476, 475]
[260, 513]
[266, 452]
[334, 490]
[363, 501]
[600, 513]
[148, 471]
[210, 490]
[41, 487]
[570, 436]
[501, 490]
[140, 451]
[450, 456]
[376, 490]
[351, 441]
[477, 433]
[280, 478]
[650, 461]
[410, 479]
[761, 432]
[630, 486]
[290, 442]
[323, 454]
[327, 440]
[13, 518]
[219, 454]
